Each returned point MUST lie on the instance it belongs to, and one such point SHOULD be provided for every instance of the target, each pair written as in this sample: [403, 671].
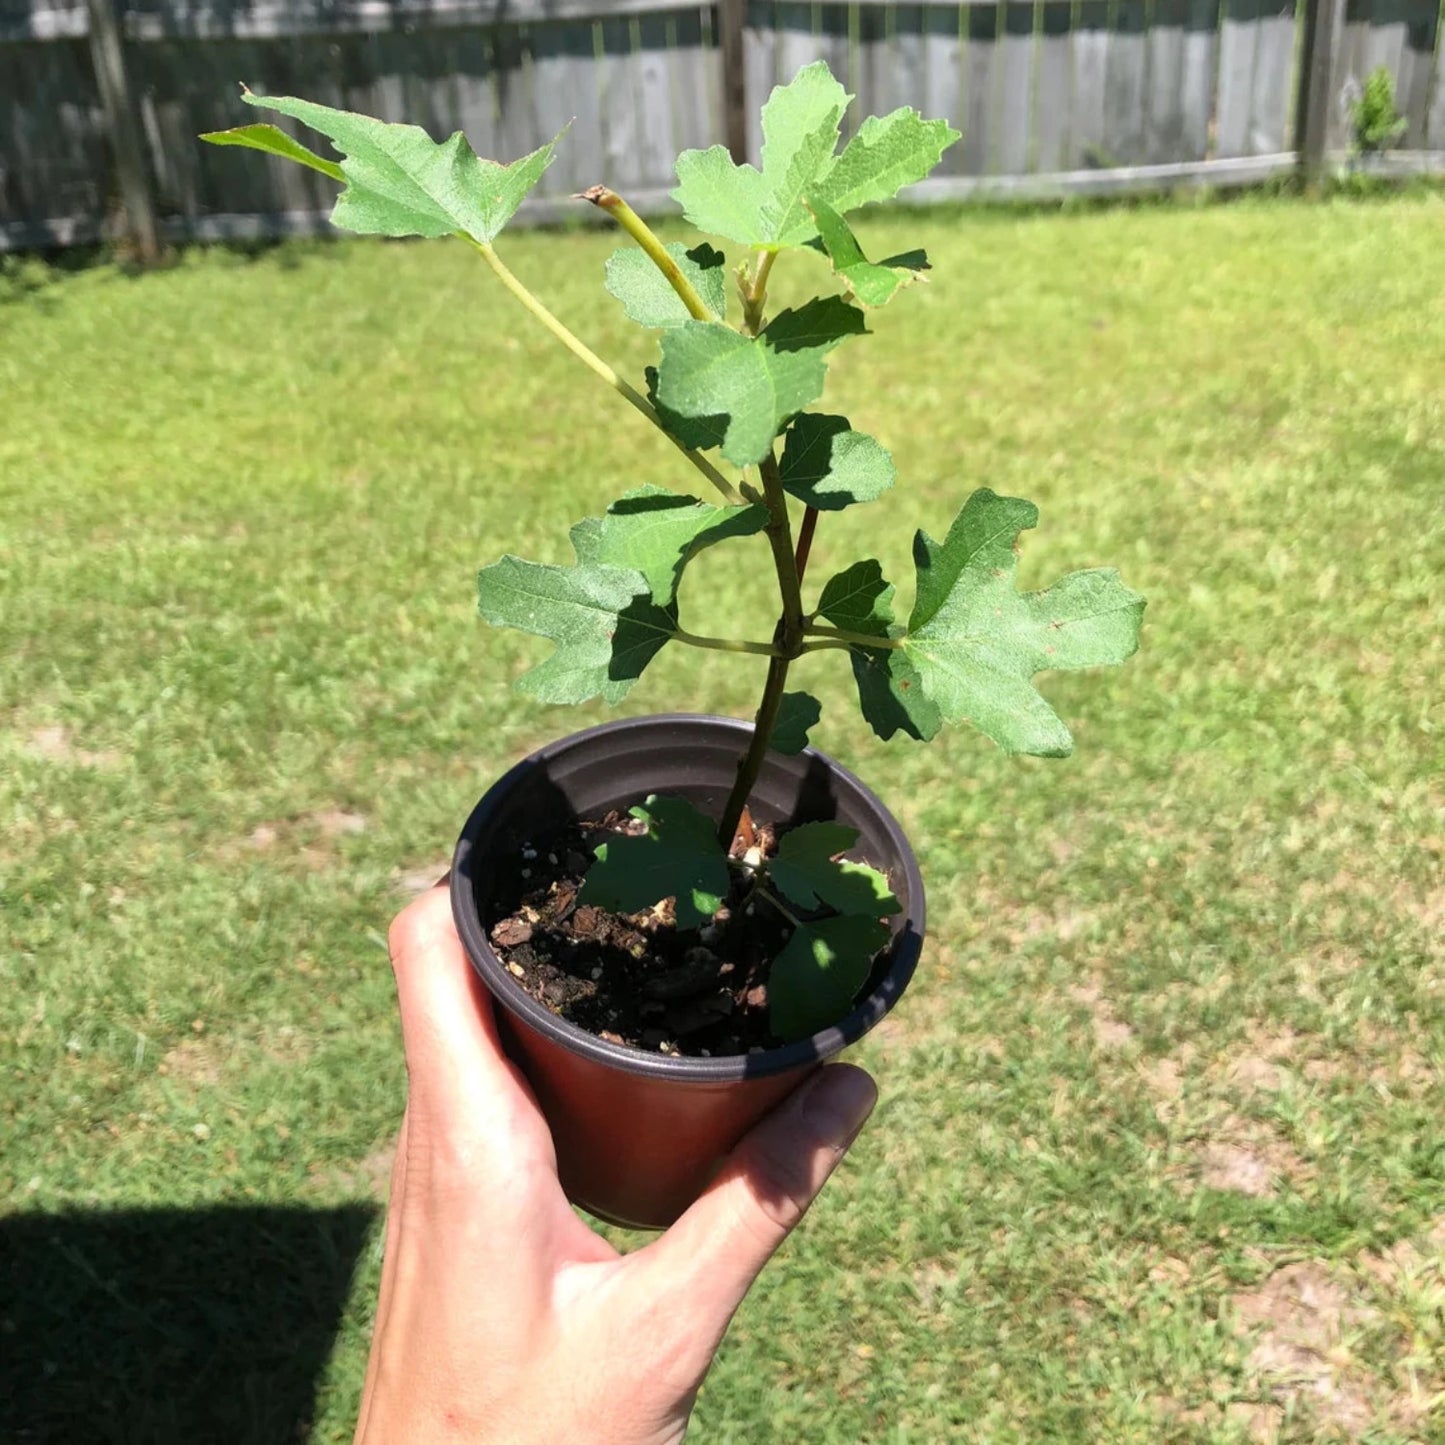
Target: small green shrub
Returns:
[1377, 125]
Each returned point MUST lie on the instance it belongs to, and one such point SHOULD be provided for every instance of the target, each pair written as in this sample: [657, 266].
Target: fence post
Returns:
[1323, 26]
[732, 16]
[107, 54]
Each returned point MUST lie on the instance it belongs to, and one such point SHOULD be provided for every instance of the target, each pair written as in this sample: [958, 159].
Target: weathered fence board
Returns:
[1050, 95]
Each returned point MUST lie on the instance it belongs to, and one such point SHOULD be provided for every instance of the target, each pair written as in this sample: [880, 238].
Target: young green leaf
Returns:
[274, 141]
[890, 692]
[604, 624]
[872, 284]
[809, 871]
[888, 153]
[817, 976]
[656, 533]
[644, 291]
[678, 857]
[400, 182]
[698, 433]
[976, 641]
[829, 466]
[708, 370]
[800, 135]
[798, 712]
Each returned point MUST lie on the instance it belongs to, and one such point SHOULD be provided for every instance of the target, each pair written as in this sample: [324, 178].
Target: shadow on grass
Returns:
[170, 1325]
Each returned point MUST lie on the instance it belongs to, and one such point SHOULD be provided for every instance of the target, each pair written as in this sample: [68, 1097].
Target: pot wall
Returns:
[638, 1134]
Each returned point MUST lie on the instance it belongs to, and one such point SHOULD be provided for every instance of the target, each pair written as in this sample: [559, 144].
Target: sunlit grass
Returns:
[244, 692]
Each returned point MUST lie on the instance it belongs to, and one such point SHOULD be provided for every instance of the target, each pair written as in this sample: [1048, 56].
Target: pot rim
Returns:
[907, 942]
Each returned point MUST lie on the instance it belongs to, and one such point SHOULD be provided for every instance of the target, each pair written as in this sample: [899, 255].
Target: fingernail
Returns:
[839, 1103]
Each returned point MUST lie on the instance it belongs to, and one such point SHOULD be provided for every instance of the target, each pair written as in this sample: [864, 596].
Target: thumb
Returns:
[709, 1259]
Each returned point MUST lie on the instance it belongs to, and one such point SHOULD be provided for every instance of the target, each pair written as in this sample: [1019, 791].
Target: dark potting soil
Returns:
[637, 978]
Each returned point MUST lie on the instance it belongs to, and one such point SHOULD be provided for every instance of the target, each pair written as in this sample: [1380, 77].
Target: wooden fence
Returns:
[1051, 95]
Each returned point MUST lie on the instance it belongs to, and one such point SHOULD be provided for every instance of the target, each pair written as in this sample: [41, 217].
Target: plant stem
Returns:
[805, 541]
[780, 538]
[751, 762]
[726, 644]
[598, 367]
[836, 636]
[755, 294]
[789, 635]
[789, 641]
[769, 896]
[642, 233]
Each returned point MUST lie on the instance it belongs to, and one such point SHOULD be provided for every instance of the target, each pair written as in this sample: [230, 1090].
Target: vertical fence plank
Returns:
[943, 72]
[1270, 112]
[1052, 94]
[659, 145]
[555, 103]
[760, 69]
[617, 96]
[1238, 41]
[1090, 69]
[1016, 82]
[909, 71]
[1197, 76]
[472, 89]
[122, 121]
[1417, 68]
[694, 70]
[1123, 142]
[1349, 69]
[1435, 115]
[1313, 96]
[874, 58]
[1164, 139]
[978, 132]
[794, 40]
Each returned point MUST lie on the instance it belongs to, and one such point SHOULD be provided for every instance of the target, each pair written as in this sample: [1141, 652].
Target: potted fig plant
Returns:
[681, 916]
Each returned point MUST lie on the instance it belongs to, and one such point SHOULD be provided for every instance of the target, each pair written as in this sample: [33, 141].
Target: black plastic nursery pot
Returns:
[639, 1134]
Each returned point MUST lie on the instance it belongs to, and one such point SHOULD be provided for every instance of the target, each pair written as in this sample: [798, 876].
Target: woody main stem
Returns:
[789, 641]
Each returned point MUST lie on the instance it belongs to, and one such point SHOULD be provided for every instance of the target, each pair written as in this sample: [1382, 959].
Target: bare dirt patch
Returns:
[198, 1061]
[337, 823]
[58, 745]
[1246, 1157]
[1109, 1032]
[1302, 1319]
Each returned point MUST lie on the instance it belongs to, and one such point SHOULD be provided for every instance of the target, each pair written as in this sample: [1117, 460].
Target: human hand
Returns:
[502, 1317]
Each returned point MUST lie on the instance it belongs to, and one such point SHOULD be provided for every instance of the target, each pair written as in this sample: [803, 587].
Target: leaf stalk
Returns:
[725, 644]
[645, 237]
[597, 366]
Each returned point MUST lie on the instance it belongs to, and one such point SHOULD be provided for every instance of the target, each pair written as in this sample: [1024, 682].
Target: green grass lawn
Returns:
[1160, 1152]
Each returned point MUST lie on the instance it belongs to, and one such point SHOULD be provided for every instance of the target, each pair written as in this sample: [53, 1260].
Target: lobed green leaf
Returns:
[815, 979]
[400, 182]
[656, 533]
[888, 153]
[890, 691]
[274, 141]
[976, 641]
[872, 284]
[678, 857]
[765, 208]
[809, 870]
[798, 712]
[708, 372]
[605, 626]
[828, 465]
[645, 294]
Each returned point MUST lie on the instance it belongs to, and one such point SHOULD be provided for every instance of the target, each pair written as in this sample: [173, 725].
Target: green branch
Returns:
[597, 366]
[725, 644]
[643, 234]
[837, 637]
